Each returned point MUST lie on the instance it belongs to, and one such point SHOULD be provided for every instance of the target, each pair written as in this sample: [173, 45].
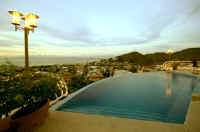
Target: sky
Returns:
[101, 28]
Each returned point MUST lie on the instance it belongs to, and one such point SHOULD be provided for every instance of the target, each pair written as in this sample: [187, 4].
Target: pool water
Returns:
[154, 96]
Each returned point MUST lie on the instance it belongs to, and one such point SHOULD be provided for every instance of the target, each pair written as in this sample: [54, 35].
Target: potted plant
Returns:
[4, 119]
[36, 90]
[28, 94]
[8, 100]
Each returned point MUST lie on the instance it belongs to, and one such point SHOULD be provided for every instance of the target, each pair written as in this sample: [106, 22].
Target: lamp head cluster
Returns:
[29, 20]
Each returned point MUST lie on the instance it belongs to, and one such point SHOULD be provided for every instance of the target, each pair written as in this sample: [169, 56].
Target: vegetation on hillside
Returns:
[158, 58]
[77, 83]
[187, 54]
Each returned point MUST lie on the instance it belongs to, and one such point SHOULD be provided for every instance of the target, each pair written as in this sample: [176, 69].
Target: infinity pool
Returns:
[155, 96]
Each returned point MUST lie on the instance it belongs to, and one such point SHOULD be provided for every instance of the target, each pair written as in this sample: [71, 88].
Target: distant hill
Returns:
[160, 57]
[133, 57]
[187, 54]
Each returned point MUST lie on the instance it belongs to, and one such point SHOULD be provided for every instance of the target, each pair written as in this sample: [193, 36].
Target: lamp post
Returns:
[29, 25]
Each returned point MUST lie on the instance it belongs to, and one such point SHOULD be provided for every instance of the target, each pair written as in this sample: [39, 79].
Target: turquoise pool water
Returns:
[155, 96]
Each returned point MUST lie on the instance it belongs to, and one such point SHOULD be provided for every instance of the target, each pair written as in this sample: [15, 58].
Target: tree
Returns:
[73, 69]
[85, 70]
[195, 63]
[8, 69]
[133, 69]
[107, 73]
[77, 83]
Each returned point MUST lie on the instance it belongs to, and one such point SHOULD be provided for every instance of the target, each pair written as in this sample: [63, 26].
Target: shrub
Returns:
[26, 90]
[133, 69]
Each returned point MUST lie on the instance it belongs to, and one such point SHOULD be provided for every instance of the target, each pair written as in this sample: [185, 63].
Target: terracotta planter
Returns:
[28, 122]
[4, 124]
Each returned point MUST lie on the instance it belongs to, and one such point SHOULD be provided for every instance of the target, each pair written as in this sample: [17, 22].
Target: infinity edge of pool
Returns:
[57, 106]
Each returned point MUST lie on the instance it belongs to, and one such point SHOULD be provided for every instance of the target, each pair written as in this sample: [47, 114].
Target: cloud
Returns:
[5, 21]
[155, 25]
[196, 7]
[6, 44]
[84, 37]
[163, 20]
[81, 34]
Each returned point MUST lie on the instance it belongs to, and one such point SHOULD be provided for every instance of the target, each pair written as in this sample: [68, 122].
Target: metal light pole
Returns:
[29, 25]
[26, 32]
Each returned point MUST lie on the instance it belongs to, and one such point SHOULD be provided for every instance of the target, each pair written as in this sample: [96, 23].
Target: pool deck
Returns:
[192, 121]
[77, 122]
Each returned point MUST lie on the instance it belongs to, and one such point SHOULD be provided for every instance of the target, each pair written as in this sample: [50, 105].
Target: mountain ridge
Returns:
[188, 54]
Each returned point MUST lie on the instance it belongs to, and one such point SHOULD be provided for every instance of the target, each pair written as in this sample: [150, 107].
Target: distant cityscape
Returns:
[78, 75]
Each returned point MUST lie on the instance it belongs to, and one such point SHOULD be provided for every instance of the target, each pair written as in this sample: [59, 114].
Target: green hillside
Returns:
[160, 57]
[187, 54]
